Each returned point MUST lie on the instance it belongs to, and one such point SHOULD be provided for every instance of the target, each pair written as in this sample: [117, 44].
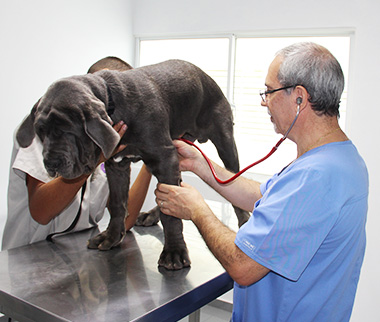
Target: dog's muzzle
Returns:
[54, 166]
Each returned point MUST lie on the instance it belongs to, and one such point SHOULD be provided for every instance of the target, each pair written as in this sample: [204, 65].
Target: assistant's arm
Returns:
[47, 200]
[137, 195]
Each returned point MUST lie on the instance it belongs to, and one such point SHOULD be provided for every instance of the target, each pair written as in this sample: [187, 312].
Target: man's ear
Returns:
[100, 131]
[25, 133]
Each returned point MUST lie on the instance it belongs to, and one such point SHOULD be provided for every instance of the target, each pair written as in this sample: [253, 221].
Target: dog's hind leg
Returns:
[118, 176]
[149, 218]
[230, 159]
[223, 139]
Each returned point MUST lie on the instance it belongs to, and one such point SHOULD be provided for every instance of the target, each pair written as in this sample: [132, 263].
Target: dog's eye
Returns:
[57, 132]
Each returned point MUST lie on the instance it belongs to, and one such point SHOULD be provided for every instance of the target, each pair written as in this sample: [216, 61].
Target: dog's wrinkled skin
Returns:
[158, 103]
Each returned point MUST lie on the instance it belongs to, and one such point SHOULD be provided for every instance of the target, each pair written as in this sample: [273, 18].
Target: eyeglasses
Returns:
[264, 94]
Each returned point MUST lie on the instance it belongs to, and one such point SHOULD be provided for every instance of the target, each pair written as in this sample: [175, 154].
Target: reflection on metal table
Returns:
[65, 281]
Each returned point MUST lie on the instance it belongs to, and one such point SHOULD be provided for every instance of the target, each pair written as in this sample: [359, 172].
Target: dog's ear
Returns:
[101, 131]
[25, 133]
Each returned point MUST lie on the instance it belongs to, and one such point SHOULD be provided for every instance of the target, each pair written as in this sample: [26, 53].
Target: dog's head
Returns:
[73, 126]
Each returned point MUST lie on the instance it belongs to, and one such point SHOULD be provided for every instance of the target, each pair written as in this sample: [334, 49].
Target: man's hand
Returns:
[182, 202]
[185, 202]
[189, 157]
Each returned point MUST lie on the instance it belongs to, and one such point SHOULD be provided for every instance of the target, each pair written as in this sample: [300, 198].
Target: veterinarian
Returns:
[39, 205]
[298, 257]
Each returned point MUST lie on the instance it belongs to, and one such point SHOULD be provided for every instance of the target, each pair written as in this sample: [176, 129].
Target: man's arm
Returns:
[221, 241]
[241, 192]
[185, 202]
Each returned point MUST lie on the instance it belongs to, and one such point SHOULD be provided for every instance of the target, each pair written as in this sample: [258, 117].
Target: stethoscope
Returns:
[299, 101]
[274, 149]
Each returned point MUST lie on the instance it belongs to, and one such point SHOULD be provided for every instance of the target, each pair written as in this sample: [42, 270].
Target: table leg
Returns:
[195, 316]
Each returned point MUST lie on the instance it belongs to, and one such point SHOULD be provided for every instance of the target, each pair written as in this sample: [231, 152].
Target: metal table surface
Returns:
[65, 281]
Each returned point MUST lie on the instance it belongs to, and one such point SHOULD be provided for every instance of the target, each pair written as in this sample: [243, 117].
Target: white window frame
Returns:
[337, 32]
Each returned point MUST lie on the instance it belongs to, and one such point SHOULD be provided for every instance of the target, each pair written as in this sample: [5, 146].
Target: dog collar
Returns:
[111, 104]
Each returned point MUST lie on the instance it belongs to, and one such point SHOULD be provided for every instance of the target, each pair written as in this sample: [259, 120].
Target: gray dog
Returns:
[158, 103]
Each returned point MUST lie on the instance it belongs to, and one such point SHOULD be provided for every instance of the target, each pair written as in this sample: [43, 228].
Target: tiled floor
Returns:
[214, 312]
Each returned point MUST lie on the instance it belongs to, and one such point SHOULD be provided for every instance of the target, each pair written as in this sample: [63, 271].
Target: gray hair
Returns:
[316, 69]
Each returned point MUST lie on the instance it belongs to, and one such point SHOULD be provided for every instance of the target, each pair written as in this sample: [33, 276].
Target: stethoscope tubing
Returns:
[274, 149]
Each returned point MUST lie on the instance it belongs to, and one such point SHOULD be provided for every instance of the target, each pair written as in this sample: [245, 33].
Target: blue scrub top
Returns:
[309, 230]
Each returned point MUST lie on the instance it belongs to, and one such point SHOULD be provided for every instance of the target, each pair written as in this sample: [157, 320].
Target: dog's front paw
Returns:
[175, 258]
[105, 240]
[150, 218]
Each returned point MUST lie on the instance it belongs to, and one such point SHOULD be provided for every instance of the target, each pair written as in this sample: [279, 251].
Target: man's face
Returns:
[280, 108]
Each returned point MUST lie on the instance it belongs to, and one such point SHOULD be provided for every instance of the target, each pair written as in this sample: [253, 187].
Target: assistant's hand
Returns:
[183, 202]
[120, 128]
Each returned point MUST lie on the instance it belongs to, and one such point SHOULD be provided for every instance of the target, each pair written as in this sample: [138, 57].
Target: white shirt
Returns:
[20, 228]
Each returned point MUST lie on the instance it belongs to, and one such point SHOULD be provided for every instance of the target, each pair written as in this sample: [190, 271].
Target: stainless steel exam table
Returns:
[65, 281]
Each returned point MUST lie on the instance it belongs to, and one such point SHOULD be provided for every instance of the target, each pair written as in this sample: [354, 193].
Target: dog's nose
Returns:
[53, 166]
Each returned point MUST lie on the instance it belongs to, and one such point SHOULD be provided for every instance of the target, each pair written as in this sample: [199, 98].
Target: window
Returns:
[239, 66]
[209, 54]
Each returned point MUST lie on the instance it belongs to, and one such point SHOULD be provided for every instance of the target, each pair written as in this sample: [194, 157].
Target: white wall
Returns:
[42, 41]
[173, 17]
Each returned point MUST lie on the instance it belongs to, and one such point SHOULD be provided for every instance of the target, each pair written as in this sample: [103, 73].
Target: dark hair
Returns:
[315, 68]
[110, 62]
